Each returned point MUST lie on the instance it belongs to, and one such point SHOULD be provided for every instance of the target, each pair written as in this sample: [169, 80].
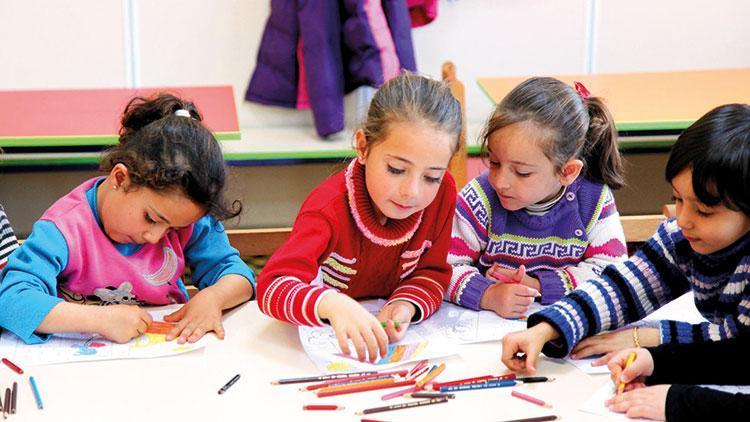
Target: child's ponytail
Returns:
[600, 150]
[140, 112]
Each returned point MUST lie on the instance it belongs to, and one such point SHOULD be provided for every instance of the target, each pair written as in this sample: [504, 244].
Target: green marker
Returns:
[385, 324]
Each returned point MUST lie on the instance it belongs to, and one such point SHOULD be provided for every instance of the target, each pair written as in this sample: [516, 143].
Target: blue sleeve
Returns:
[210, 256]
[28, 291]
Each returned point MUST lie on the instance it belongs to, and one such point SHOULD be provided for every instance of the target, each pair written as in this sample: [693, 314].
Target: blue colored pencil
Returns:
[36, 392]
[466, 387]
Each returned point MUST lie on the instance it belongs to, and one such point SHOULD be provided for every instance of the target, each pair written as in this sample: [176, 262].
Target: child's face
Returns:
[143, 215]
[520, 173]
[403, 172]
[708, 229]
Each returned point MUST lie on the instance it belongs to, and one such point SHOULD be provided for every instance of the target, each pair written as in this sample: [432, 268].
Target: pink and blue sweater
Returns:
[69, 257]
[572, 242]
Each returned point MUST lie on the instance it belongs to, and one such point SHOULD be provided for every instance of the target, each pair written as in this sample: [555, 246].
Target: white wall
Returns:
[85, 43]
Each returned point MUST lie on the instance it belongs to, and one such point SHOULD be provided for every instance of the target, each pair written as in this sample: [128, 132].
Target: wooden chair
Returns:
[457, 166]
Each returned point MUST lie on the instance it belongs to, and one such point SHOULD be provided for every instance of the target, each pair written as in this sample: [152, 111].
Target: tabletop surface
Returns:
[651, 101]
[184, 387]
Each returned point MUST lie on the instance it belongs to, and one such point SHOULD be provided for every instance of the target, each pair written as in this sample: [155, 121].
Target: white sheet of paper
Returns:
[322, 347]
[77, 347]
[596, 405]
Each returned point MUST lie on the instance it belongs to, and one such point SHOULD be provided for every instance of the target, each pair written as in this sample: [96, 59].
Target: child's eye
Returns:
[394, 170]
[494, 163]
[433, 179]
[148, 218]
[523, 174]
[704, 213]
[676, 199]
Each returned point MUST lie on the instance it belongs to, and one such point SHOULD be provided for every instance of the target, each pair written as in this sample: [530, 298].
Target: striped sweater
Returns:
[662, 270]
[8, 241]
[337, 244]
[572, 242]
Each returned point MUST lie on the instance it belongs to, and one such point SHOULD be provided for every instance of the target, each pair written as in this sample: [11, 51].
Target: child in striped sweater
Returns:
[8, 242]
[380, 228]
[706, 250]
[543, 217]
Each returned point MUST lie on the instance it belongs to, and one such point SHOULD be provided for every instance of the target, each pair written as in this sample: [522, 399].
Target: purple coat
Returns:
[339, 54]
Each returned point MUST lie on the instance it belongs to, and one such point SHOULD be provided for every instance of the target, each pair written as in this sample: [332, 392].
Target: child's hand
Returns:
[350, 321]
[613, 342]
[120, 323]
[648, 402]
[634, 376]
[506, 275]
[508, 300]
[400, 312]
[199, 316]
[521, 349]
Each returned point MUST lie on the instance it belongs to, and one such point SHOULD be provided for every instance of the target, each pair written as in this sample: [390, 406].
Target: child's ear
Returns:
[570, 171]
[120, 176]
[361, 145]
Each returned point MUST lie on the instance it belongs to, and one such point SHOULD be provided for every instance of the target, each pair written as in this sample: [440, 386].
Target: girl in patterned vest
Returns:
[380, 228]
[542, 219]
[125, 239]
[706, 249]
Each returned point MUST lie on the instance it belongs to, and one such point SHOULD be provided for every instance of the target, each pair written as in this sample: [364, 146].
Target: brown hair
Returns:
[577, 127]
[164, 151]
[411, 97]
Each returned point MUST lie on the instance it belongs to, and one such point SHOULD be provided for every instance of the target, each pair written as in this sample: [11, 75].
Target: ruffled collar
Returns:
[394, 232]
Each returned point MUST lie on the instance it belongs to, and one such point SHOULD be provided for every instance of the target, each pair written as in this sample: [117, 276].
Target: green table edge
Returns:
[82, 140]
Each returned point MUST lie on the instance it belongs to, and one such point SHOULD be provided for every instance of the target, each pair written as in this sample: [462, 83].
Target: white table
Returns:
[185, 387]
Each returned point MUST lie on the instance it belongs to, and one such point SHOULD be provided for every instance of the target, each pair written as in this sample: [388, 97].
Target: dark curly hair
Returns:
[166, 152]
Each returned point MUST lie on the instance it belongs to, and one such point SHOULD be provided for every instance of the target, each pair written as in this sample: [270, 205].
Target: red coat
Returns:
[337, 243]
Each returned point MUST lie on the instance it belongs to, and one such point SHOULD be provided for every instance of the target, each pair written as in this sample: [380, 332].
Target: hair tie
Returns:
[182, 113]
[581, 90]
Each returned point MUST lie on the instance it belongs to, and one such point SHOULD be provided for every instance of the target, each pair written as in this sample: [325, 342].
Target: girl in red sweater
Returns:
[379, 228]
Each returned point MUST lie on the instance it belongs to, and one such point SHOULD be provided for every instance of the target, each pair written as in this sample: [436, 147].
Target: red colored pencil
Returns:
[529, 399]
[322, 393]
[12, 366]
[322, 407]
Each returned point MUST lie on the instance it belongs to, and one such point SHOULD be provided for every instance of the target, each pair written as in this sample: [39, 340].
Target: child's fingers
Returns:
[382, 338]
[177, 330]
[520, 273]
[602, 360]
[359, 345]
[176, 315]
[525, 291]
[219, 330]
[343, 340]
[371, 344]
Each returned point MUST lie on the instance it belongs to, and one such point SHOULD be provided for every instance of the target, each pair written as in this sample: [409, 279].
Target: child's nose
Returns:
[409, 188]
[155, 234]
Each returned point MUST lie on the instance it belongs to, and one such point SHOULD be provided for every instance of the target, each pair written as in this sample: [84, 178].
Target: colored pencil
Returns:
[631, 359]
[365, 383]
[321, 377]
[13, 398]
[377, 375]
[37, 396]
[528, 380]
[385, 324]
[399, 393]
[431, 375]
[484, 378]
[2, 407]
[403, 406]
[322, 407]
[419, 372]
[428, 395]
[528, 398]
[351, 390]
[12, 366]
[421, 364]
[468, 387]
[6, 409]
[534, 419]
[229, 383]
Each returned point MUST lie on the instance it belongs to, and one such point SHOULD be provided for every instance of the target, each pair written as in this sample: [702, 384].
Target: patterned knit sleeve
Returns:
[625, 292]
[731, 323]
[426, 286]
[284, 286]
[468, 241]
[606, 246]
[8, 241]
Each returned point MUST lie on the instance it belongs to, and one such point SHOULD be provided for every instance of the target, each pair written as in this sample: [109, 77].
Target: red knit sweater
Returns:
[337, 243]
